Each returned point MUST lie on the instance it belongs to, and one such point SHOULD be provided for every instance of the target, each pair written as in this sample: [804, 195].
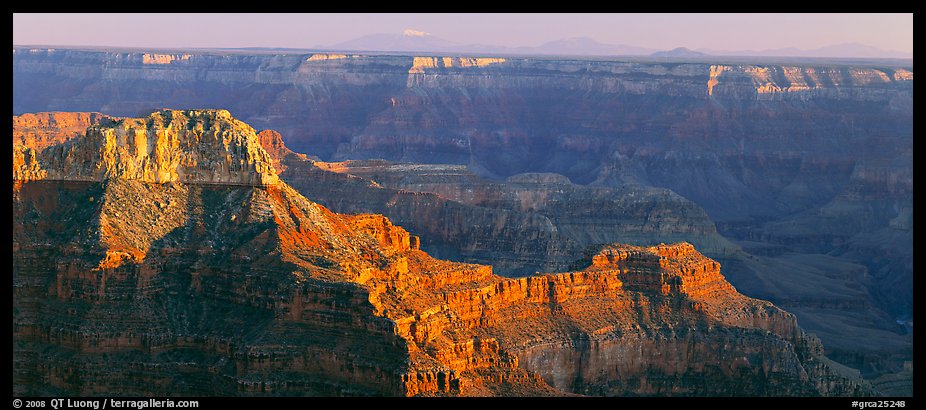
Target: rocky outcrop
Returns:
[168, 145]
[41, 130]
[25, 164]
[187, 287]
[156, 58]
[272, 142]
[326, 57]
[32, 133]
[421, 65]
[205, 309]
[651, 308]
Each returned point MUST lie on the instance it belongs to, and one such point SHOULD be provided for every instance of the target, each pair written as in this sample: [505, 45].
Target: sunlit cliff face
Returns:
[265, 292]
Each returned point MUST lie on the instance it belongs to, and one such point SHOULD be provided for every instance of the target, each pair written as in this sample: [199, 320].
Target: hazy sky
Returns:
[661, 31]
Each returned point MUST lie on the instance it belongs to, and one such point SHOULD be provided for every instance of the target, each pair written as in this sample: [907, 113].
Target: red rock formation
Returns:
[213, 148]
[42, 130]
[194, 287]
[865, 337]
[32, 133]
[272, 142]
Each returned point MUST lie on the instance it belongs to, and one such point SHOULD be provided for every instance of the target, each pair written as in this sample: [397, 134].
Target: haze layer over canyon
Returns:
[797, 178]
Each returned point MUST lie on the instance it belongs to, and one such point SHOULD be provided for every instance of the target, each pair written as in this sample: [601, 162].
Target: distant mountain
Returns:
[678, 52]
[414, 40]
[845, 50]
[588, 46]
[418, 41]
[858, 50]
[409, 40]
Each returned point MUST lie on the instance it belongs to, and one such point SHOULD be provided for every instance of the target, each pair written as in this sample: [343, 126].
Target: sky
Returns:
[717, 31]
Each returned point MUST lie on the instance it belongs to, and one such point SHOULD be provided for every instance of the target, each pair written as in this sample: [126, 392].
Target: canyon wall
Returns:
[541, 222]
[573, 217]
[465, 217]
[514, 115]
[132, 286]
[807, 163]
[746, 142]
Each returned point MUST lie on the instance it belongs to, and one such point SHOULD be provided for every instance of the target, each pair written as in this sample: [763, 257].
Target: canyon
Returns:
[795, 175]
[512, 224]
[232, 283]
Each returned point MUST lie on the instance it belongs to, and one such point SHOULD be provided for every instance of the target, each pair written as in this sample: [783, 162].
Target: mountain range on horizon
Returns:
[418, 41]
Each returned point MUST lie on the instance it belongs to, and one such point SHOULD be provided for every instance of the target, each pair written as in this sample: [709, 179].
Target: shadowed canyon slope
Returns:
[541, 221]
[520, 226]
[814, 156]
[807, 166]
[177, 263]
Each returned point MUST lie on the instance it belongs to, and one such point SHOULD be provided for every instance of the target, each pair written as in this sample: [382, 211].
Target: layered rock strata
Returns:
[574, 216]
[539, 222]
[132, 286]
[761, 146]
[169, 145]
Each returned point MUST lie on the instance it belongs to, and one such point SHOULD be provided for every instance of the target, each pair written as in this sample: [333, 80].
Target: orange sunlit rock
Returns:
[262, 291]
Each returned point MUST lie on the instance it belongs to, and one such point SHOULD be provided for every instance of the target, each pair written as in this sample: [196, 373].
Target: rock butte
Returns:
[153, 58]
[210, 286]
[422, 65]
[325, 57]
[169, 145]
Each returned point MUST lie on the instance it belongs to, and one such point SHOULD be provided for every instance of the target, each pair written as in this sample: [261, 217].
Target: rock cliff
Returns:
[41, 130]
[204, 286]
[32, 133]
[168, 145]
